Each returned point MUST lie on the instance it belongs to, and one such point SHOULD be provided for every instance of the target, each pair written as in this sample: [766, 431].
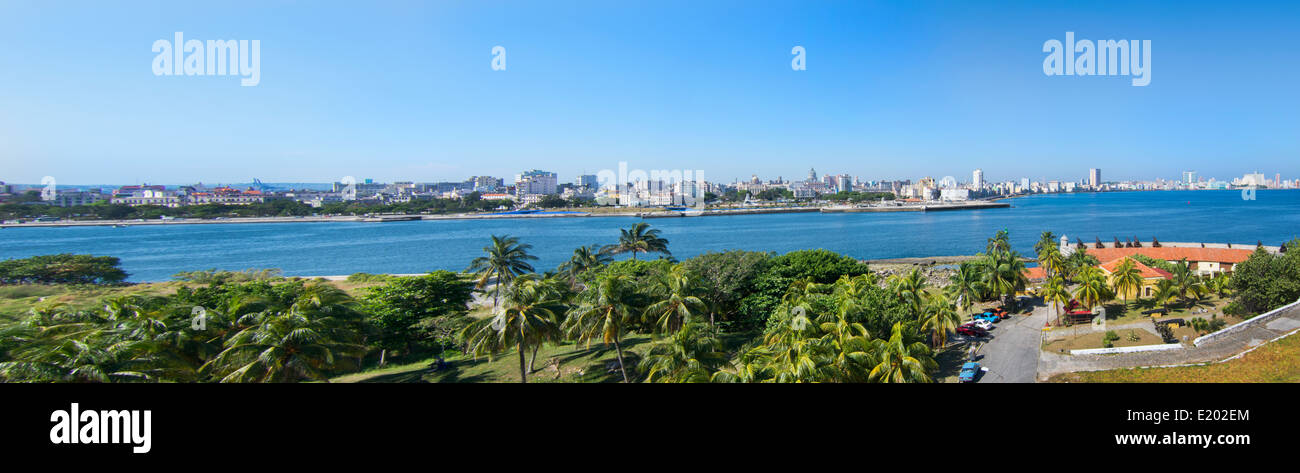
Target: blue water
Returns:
[155, 252]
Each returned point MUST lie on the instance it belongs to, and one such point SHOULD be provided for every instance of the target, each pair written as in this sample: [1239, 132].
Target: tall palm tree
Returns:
[902, 359]
[940, 317]
[1000, 243]
[674, 304]
[606, 311]
[506, 259]
[1051, 260]
[1126, 278]
[910, 288]
[1056, 293]
[1165, 292]
[1046, 240]
[585, 258]
[964, 285]
[1092, 290]
[639, 239]
[1004, 274]
[526, 319]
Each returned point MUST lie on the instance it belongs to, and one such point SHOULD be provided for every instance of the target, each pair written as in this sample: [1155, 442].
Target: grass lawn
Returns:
[1094, 340]
[567, 363]
[1277, 362]
[1117, 312]
[17, 300]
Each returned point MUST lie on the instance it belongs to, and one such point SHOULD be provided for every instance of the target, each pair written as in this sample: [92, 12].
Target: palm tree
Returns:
[585, 258]
[1165, 292]
[639, 239]
[281, 347]
[606, 311]
[1092, 290]
[910, 289]
[940, 317]
[1046, 240]
[675, 305]
[1051, 260]
[1126, 278]
[506, 259]
[527, 319]
[964, 285]
[1004, 274]
[692, 355]
[902, 359]
[1000, 243]
[1055, 292]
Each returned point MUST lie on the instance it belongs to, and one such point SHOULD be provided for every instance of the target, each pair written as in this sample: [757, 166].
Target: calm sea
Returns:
[154, 253]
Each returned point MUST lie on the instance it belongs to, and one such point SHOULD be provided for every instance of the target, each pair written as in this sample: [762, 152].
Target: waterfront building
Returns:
[75, 198]
[955, 195]
[1150, 277]
[535, 182]
[147, 195]
[977, 179]
[1094, 178]
[588, 182]
[1203, 261]
[226, 196]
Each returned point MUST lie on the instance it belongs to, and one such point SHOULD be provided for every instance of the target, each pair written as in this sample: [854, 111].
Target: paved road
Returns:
[1011, 352]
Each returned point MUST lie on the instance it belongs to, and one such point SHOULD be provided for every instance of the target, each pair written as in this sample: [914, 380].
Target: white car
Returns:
[981, 323]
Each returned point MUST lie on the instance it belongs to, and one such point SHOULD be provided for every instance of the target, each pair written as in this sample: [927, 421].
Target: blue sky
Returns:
[405, 91]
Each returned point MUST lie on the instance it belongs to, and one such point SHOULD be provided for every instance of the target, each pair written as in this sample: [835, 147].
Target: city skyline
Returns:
[408, 93]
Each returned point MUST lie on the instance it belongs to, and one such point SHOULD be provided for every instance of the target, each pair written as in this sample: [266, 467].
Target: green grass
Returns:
[16, 301]
[1277, 362]
[1117, 312]
[577, 363]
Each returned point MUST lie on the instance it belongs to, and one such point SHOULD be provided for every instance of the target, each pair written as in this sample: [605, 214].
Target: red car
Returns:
[972, 331]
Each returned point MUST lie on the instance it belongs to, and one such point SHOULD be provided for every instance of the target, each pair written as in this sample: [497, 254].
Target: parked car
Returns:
[969, 371]
[990, 318]
[972, 331]
[981, 323]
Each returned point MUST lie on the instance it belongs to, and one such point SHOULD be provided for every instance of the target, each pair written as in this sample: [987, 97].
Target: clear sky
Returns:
[405, 91]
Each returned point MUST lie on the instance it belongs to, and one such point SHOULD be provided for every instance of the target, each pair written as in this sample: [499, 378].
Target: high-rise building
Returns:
[1189, 177]
[535, 182]
[1094, 178]
[977, 179]
[844, 183]
[587, 181]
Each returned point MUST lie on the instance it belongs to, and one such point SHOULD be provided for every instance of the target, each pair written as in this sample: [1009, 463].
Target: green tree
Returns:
[639, 239]
[1126, 278]
[506, 259]
[410, 309]
[528, 318]
[606, 311]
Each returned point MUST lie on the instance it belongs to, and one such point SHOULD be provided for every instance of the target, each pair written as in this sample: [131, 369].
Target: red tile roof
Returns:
[1035, 273]
[1219, 255]
[1147, 272]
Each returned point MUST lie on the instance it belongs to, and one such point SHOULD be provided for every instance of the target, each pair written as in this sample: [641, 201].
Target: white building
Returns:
[977, 179]
[535, 182]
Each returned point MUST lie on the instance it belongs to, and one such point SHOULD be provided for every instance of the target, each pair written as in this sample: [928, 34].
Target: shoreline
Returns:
[650, 213]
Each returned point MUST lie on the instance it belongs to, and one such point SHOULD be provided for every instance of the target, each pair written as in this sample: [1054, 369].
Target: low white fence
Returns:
[1258, 319]
[1139, 348]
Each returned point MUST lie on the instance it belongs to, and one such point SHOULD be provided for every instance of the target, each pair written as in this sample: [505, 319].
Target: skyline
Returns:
[406, 92]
